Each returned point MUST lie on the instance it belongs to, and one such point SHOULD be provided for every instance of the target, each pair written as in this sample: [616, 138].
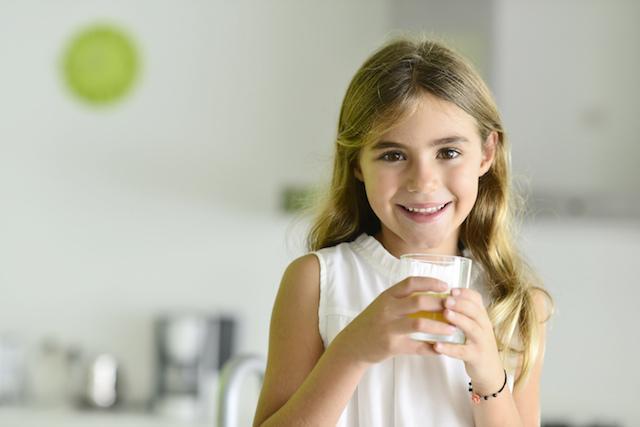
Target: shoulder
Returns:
[295, 312]
[303, 266]
[306, 268]
[340, 248]
[301, 277]
[340, 255]
[542, 303]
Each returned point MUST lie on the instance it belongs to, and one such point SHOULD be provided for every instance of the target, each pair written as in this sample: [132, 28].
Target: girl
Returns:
[421, 166]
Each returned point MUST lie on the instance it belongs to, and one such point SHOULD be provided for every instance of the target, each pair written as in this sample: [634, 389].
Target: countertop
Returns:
[24, 416]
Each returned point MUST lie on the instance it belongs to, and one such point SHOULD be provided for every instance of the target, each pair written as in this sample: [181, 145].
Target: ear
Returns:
[358, 172]
[488, 152]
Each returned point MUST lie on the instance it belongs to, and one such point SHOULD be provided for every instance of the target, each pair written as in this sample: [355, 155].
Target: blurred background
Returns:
[151, 153]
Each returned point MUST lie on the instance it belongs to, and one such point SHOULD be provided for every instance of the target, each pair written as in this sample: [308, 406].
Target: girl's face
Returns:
[421, 178]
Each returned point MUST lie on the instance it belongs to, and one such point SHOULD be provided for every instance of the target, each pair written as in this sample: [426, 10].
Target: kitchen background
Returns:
[170, 198]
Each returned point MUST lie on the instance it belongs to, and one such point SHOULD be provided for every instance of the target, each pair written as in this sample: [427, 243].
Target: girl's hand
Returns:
[382, 329]
[465, 309]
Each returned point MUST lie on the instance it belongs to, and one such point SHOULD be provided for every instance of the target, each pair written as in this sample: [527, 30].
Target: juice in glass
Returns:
[453, 270]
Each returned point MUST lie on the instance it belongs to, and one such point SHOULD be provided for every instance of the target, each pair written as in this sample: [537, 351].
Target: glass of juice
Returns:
[455, 271]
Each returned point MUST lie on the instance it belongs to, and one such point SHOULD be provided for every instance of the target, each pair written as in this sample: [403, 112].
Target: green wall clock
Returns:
[100, 64]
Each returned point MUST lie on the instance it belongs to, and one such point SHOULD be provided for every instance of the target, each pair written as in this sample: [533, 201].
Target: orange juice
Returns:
[434, 315]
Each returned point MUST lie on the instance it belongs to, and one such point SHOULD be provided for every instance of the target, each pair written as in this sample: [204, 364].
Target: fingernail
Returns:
[450, 313]
[451, 302]
[455, 292]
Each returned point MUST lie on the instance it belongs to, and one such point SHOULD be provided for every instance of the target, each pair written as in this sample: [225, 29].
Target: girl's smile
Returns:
[428, 212]
[421, 177]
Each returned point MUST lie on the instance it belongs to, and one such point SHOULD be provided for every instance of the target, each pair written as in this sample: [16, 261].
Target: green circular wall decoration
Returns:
[100, 64]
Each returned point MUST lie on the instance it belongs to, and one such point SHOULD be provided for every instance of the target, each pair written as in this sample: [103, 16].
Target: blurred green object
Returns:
[298, 198]
[100, 64]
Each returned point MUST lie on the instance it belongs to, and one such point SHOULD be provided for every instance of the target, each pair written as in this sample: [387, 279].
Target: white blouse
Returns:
[406, 390]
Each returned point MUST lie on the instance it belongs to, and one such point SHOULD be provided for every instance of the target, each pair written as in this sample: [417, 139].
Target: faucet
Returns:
[233, 372]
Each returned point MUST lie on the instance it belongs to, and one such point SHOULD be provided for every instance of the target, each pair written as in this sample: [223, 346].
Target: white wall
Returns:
[169, 199]
[566, 74]
[590, 269]
[465, 25]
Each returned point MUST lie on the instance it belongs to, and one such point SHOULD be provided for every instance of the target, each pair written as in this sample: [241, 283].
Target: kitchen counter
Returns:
[68, 417]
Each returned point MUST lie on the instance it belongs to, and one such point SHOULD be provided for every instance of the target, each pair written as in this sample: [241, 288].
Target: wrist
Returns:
[343, 349]
[491, 384]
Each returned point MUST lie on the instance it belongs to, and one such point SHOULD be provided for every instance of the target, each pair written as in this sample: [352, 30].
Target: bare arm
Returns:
[522, 408]
[307, 385]
[527, 396]
[304, 385]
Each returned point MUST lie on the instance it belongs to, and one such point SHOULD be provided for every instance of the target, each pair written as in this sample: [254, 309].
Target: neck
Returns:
[397, 246]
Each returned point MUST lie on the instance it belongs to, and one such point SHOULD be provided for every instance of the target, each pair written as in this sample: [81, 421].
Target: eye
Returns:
[448, 154]
[392, 156]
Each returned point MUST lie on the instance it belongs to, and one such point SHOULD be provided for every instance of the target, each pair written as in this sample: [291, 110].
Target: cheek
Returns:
[465, 184]
[379, 183]
[380, 189]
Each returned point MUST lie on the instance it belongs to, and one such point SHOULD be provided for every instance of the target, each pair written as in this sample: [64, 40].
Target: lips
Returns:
[425, 209]
[424, 205]
[425, 212]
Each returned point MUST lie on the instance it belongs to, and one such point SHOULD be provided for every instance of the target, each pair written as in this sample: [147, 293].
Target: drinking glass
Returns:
[455, 271]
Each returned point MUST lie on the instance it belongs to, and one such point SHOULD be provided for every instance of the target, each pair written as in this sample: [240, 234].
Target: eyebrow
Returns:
[382, 145]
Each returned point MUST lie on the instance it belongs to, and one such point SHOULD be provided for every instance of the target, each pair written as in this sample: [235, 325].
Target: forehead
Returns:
[433, 118]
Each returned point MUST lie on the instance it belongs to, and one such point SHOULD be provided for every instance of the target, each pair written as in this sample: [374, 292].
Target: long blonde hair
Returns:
[383, 92]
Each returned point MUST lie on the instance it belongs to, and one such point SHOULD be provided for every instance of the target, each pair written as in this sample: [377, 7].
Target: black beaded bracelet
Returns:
[475, 397]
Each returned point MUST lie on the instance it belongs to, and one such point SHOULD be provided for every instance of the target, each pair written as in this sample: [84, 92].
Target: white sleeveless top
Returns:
[406, 390]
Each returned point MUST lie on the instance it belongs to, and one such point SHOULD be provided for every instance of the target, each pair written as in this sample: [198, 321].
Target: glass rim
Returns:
[413, 256]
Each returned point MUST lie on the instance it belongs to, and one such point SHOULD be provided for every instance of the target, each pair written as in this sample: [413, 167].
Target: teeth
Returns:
[426, 210]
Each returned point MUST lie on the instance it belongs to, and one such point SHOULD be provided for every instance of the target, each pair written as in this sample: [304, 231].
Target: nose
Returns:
[422, 178]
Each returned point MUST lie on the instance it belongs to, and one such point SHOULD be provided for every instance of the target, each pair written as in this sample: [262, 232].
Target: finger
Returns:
[416, 284]
[409, 325]
[467, 307]
[422, 348]
[409, 345]
[468, 326]
[467, 293]
[457, 351]
[420, 301]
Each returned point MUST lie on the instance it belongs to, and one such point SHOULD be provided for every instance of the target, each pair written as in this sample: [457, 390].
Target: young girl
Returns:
[421, 166]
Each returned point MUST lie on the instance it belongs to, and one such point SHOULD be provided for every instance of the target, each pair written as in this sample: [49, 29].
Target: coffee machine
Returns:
[190, 350]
